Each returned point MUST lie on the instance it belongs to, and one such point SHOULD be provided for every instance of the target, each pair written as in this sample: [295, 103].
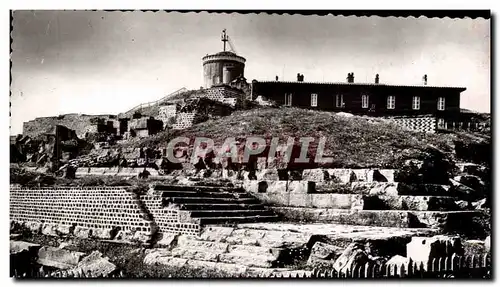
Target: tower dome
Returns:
[222, 67]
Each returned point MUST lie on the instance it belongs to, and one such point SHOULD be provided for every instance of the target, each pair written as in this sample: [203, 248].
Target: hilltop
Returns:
[353, 141]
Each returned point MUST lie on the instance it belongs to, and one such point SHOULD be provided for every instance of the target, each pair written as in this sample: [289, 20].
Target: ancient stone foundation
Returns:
[106, 213]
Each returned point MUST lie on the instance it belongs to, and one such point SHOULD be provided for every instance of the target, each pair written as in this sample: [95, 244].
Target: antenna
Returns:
[224, 38]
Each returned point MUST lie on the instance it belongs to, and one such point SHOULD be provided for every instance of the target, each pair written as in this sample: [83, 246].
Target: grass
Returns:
[354, 142]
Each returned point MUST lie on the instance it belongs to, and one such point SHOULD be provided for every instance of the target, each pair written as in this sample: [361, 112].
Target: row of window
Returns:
[391, 101]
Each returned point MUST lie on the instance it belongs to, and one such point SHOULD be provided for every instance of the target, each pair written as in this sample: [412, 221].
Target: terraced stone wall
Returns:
[97, 209]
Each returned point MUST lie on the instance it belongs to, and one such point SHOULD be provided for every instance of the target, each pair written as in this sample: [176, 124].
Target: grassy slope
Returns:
[352, 142]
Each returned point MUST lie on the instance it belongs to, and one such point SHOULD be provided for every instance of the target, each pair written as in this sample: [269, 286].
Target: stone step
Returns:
[237, 219]
[443, 220]
[162, 187]
[252, 256]
[220, 206]
[230, 213]
[224, 269]
[182, 200]
[205, 194]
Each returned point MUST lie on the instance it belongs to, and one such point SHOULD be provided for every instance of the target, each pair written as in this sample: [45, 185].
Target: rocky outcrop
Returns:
[94, 265]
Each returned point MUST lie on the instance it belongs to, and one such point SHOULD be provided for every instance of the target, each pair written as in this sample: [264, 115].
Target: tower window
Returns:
[391, 102]
[339, 101]
[288, 99]
[416, 103]
[314, 100]
[440, 104]
[364, 101]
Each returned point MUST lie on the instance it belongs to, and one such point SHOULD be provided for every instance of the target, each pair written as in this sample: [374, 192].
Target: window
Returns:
[364, 101]
[391, 102]
[441, 104]
[416, 103]
[441, 124]
[339, 101]
[314, 100]
[288, 99]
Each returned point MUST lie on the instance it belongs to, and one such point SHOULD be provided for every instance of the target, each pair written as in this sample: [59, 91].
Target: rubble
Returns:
[323, 254]
[96, 265]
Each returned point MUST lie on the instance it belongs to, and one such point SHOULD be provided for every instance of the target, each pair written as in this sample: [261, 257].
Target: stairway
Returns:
[216, 205]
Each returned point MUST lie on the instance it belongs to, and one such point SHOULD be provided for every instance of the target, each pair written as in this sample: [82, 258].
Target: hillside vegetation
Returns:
[352, 141]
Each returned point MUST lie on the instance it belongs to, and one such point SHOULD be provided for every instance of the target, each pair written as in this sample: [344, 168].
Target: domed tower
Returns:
[222, 67]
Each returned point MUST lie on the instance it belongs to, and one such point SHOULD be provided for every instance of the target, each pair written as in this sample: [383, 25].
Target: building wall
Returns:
[96, 208]
[352, 96]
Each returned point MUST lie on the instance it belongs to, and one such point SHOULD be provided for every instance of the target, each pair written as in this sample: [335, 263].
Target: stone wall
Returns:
[166, 113]
[184, 121]
[97, 210]
[80, 123]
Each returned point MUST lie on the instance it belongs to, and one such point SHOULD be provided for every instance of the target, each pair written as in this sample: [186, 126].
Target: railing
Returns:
[462, 126]
[154, 103]
[475, 266]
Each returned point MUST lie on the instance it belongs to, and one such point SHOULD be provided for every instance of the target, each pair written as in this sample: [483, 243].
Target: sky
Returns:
[96, 62]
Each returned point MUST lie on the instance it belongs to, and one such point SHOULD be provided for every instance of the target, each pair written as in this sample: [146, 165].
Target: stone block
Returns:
[216, 233]
[299, 200]
[316, 175]
[196, 254]
[22, 246]
[64, 229]
[82, 232]
[353, 255]
[248, 260]
[59, 258]
[102, 233]
[33, 226]
[340, 174]
[244, 236]
[194, 244]
[142, 236]
[299, 186]
[375, 188]
[323, 254]
[49, 229]
[167, 239]
[96, 265]
[423, 249]
[338, 201]
[276, 186]
[267, 174]
[364, 175]
[255, 250]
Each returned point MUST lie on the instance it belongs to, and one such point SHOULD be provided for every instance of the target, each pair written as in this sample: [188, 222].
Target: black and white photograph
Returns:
[199, 144]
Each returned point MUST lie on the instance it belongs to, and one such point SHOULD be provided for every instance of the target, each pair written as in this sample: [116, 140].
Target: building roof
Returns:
[360, 84]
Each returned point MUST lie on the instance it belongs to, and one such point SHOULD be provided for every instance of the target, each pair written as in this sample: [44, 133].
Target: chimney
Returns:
[424, 79]
[276, 78]
[350, 77]
[301, 77]
[376, 79]
[298, 77]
